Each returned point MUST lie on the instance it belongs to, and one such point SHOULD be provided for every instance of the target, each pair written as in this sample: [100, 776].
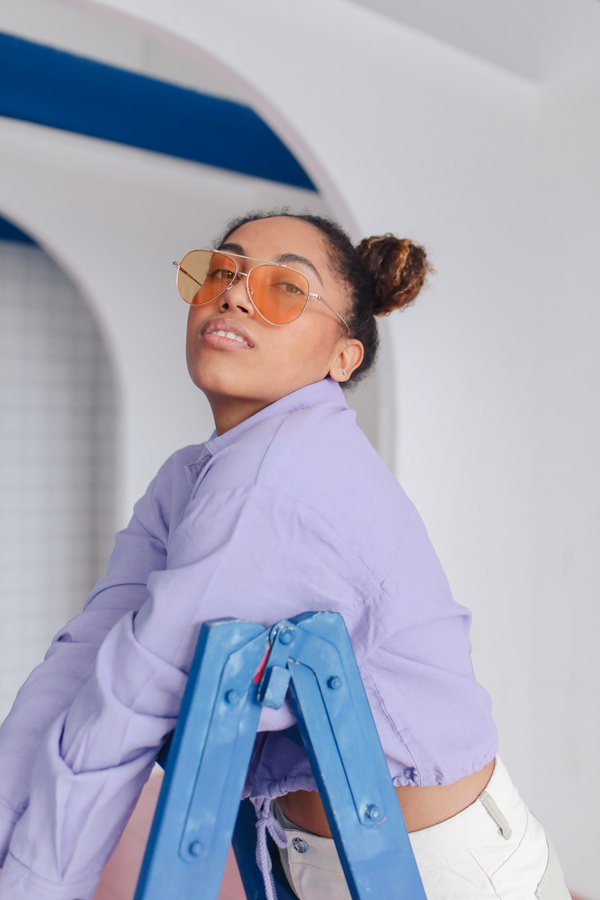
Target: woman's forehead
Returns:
[280, 235]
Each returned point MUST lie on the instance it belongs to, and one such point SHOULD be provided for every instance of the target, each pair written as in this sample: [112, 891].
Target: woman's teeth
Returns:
[230, 334]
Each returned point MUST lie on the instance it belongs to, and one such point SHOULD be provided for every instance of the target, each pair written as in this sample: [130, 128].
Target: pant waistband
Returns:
[498, 810]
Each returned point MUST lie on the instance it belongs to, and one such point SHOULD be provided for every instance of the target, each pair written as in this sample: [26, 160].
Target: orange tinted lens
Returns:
[279, 293]
[203, 275]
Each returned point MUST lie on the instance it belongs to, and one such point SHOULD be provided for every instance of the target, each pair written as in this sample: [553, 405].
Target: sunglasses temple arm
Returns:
[329, 306]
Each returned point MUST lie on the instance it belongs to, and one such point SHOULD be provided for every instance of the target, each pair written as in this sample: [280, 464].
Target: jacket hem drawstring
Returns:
[266, 821]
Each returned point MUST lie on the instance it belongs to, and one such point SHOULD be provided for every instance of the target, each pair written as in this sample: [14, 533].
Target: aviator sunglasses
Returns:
[278, 293]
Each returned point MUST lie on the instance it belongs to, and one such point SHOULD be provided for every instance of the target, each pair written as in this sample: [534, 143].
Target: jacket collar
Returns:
[325, 391]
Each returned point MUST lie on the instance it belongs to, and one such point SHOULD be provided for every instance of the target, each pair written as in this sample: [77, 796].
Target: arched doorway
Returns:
[58, 420]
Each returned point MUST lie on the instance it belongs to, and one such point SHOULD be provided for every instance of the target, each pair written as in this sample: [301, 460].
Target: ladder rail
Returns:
[238, 668]
[206, 765]
[348, 763]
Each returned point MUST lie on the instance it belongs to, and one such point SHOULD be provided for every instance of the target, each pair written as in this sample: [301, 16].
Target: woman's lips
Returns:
[226, 333]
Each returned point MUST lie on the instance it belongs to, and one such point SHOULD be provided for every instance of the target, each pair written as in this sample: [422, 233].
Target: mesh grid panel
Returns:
[57, 457]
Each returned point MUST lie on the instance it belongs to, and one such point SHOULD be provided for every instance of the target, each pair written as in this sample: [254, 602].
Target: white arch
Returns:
[75, 254]
[245, 55]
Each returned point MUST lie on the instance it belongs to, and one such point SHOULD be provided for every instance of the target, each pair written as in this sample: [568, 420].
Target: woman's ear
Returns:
[347, 361]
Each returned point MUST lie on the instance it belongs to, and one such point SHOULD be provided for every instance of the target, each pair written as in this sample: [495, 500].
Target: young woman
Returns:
[285, 508]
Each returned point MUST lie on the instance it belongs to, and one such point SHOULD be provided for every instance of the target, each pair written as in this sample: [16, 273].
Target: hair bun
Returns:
[398, 269]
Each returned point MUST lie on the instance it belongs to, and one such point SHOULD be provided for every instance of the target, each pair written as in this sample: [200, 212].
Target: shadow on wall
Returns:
[58, 418]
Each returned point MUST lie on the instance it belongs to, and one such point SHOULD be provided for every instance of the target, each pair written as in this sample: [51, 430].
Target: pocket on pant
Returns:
[552, 885]
[311, 882]
[526, 860]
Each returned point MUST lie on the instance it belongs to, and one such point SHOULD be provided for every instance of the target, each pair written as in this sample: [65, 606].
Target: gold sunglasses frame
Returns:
[260, 262]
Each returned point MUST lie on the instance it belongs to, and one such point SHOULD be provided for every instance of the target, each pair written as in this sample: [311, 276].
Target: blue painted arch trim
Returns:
[50, 87]
[10, 232]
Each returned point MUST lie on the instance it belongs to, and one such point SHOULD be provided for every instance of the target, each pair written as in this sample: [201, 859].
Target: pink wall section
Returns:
[121, 871]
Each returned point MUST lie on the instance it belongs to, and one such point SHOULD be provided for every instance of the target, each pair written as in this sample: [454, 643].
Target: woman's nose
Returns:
[237, 295]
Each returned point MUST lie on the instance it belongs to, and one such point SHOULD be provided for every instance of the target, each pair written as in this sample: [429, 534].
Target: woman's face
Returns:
[240, 378]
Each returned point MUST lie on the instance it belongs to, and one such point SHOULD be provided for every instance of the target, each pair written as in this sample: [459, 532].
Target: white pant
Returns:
[493, 849]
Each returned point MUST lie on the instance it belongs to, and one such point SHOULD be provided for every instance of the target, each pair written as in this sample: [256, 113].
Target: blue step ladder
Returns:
[238, 668]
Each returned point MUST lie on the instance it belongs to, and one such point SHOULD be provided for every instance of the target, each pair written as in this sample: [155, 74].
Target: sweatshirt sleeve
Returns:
[96, 757]
[52, 686]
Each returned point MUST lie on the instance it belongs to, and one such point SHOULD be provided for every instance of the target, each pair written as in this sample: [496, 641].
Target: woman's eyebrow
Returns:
[289, 258]
[233, 248]
[295, 258]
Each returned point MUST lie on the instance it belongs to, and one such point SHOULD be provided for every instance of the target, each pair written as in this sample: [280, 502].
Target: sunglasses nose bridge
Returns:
[236, 280]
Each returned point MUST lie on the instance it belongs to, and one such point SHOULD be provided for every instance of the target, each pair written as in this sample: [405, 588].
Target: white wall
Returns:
[567, 484]
[495, 366]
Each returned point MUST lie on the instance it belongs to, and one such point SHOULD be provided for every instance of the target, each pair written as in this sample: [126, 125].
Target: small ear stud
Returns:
[344, 373]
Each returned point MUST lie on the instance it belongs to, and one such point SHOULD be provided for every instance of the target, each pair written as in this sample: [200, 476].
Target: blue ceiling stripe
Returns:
[10, 232]
[49, 87]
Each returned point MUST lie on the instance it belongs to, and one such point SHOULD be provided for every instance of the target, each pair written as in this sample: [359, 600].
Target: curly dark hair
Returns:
[381, 274]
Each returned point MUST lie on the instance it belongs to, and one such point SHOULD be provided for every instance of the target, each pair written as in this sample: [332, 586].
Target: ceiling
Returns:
[534, 39]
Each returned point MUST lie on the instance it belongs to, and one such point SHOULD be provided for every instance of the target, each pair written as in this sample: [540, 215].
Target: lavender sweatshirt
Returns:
[290, 511]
